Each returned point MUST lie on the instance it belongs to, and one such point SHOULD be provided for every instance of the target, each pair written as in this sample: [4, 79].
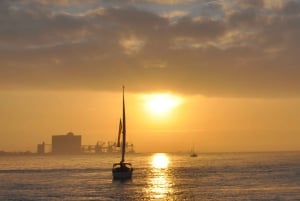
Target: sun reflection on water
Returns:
[159, 178]
[160, 161]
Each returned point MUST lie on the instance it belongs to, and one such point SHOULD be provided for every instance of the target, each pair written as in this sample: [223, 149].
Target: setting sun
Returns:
[161, 104]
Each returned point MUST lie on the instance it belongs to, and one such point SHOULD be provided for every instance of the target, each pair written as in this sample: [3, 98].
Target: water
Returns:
[222, 176]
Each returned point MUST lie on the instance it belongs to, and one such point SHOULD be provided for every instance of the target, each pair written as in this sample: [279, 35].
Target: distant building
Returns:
[66, 144]
[41, 148]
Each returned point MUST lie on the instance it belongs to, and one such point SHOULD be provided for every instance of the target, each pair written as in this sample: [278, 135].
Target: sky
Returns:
[233, 64]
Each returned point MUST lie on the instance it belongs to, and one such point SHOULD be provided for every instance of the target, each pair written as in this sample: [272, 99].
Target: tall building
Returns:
[66, 144]
[41, 148]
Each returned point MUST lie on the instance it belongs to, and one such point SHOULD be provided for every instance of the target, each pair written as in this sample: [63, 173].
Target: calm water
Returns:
[228, 176]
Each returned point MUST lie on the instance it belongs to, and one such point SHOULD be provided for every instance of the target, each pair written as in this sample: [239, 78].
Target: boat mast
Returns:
[124, 130]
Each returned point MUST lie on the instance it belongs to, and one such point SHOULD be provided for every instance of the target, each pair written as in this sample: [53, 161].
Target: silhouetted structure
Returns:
[41, 148]
[106, 147]
[71, 144]
[66, 144]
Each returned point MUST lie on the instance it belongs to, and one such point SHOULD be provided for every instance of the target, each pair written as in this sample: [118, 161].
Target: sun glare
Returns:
[160, 161]
[161, 104]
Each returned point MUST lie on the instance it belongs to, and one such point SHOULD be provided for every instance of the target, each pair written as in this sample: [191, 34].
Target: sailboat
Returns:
[122, 170]
[193, 153]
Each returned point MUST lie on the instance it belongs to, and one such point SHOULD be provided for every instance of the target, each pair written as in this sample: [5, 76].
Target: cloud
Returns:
[131, 44]
[249, 50]
[174, 14]
[170, 1]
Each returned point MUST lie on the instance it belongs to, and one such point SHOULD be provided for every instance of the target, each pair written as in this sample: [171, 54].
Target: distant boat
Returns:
[193, 153]
[122, 170]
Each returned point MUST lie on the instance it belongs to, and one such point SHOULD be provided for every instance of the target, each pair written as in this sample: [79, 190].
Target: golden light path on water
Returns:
[159, 182]
[160, 161]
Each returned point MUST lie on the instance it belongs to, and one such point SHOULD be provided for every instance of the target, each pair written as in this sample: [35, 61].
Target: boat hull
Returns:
[193, 155]
[122, 171]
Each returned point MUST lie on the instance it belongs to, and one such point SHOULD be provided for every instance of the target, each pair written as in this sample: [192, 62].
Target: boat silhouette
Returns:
[122, 170]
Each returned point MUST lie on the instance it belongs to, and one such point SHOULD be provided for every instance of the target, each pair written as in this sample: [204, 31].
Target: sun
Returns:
[161, 104]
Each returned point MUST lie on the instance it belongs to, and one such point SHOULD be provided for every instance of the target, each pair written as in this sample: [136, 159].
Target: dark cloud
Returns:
[248, 51]
[251, 3]
[291, 8]
[201, 29]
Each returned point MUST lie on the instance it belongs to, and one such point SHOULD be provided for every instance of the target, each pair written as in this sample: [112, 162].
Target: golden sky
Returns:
[232, 65]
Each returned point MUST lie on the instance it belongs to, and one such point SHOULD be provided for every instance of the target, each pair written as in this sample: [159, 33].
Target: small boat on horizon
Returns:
[193, 153]
[122, 170]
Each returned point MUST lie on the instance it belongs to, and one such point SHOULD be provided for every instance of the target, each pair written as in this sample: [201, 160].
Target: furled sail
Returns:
[120, 131]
